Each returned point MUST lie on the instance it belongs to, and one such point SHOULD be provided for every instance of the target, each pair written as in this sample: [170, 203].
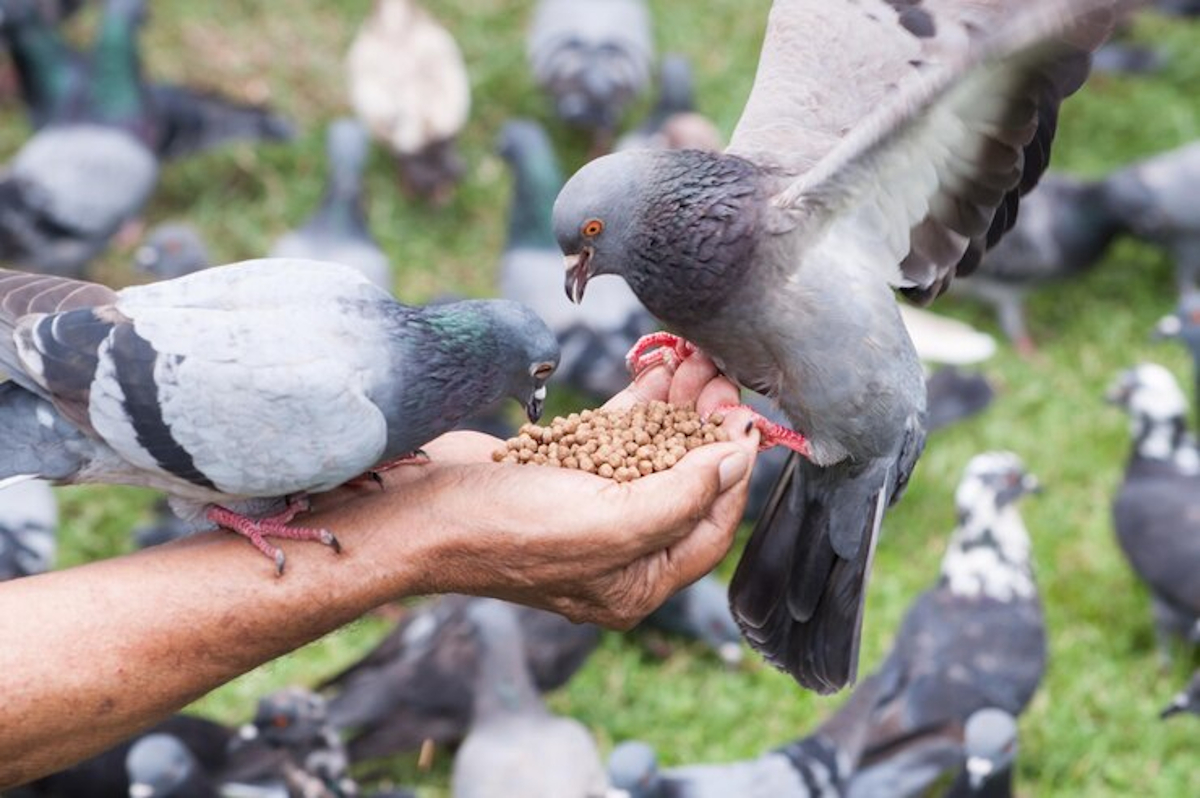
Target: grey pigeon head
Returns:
[993, 480]
[346, 145]
[1157, 411]
[288, 718]
[633, 767]
[701, 611]
[159, 765]
[1187, 700]
[171, 250]
[990, 743]
[521, 136]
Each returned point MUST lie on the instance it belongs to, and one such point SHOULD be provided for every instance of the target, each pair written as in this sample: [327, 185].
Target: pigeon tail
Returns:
[799, 589]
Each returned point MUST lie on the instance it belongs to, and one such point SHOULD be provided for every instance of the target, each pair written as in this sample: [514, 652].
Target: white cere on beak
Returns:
[570, 262]
[540, 394]
[248, 731]
[140, 790]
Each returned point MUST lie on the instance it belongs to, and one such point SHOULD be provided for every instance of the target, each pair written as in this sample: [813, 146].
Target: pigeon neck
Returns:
[341, 209]
[998, 785]
[42, 64]
[1164, 440]
[503, 683]
[117, 97]
[536, 183]
[989, 554]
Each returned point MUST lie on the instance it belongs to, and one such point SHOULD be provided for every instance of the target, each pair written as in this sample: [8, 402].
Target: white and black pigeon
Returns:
[885, 145]
[1184, 325]
[595, 337]
[1156, 511]
[418, 684]
[73, 185]
[235, 388]
[1154, 200]
[515, 745]
[338, 231]
[990, 746]
[701, 612]
[170, 250]
[975, 640]
[1064, 229]
[593, 58]
[28, 529]
[1187, 700]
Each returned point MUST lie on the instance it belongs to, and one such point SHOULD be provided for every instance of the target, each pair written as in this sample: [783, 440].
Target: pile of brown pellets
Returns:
[615, 445]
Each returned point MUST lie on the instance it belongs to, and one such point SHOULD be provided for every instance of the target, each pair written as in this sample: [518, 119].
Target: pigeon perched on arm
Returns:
[1156, 511]
[28, 529]
[594, 337]
[338, 231]
[884, 145]
[251, 383]
[410, 87]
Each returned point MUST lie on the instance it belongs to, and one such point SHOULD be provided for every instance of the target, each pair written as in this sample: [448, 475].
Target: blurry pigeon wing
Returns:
[193, 121]
[944, 115]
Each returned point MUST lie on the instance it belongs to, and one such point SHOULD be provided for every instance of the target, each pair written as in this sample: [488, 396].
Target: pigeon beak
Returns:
[1178, 704]
[1030, 484]
[535, 405]
[578, 267]
[979, 770]
[1168, 327]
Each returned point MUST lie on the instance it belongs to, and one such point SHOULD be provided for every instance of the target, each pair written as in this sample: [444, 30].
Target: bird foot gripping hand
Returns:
[257, 530]
[657, 349]
[770, 434]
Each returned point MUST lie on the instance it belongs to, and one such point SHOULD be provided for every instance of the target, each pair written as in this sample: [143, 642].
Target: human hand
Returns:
[586, 547]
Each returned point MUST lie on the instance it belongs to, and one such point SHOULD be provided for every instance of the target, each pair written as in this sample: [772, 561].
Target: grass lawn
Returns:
[1093, 728]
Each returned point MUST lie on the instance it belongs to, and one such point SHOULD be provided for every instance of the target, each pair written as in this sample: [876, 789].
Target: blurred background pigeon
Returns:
[161, 766]
[338, 231]
[1187, 700]
[593, 58]
[409, 87]
[674, 122]
[990, 746]
[1184, 326]
[170, 250]
[1156, 511]
[701, 612]
[28, 529]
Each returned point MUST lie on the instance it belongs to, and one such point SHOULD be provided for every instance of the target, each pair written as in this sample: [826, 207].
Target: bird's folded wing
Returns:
[915, 127]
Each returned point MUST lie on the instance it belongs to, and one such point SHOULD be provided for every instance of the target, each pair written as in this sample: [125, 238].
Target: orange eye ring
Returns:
[592, 228]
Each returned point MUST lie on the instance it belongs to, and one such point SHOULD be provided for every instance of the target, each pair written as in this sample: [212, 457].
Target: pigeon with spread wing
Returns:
[885, 144]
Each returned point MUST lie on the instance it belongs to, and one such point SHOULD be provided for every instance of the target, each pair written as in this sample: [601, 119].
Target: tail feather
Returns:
[799, 591]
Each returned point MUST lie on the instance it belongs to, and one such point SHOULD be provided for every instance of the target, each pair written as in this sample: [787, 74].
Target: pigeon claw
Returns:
[660, 348]
[257, 530]
[771, 434]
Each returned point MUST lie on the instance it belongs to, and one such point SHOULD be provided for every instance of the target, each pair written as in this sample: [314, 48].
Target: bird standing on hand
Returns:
[885, 144]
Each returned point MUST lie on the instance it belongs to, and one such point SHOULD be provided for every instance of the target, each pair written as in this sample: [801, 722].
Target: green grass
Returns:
[1092, 730]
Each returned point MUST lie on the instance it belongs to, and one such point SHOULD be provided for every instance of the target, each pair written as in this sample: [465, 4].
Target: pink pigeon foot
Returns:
[667, 348]
[770, 433]
[257, 530]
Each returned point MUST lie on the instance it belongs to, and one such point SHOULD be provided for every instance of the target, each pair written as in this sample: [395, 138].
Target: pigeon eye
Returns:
[542, 371]
[592, 228]
[281, 721]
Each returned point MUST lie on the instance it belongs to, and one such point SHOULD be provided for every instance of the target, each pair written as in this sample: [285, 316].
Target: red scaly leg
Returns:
[257, 530]
[770, 433]
[669, 349]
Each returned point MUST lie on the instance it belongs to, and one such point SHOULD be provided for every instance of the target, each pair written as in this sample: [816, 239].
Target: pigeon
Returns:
[170, 250]
[990, 745]
[418, 683]
[28, 529]
[1187, 700]
[409, 86]
[1184, 325]
[54, 80]
[594, 337]
[953, 395]
[884, 144]
[515, 745]
[818, 765]
[674, 123]
[592, 58]
[1064, 229]
[975, 640]
[1156, 511]
[1153, 200]
[701, 612]
[161, 766]
[338, 231]
[169, 381]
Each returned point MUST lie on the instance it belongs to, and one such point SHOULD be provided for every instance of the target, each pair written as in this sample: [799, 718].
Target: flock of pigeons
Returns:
[107, 385]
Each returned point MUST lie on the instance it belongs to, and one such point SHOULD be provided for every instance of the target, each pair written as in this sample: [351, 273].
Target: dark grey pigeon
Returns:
[28, 529]
[1184, 325]
[975, 640]
[1187, 700]
[1153, 198]
[418, 683]
[161, 766]
[595, 338]
[515, 745]
[1156, 511]
[229, 388]
[338, 231]
[779, 257]
[990, 745]
[170, 250]
[701, 612]
[816, 766]
[1064, 229]
[592, 58]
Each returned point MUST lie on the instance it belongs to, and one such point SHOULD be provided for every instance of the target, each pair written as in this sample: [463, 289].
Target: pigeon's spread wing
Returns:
[912, 128]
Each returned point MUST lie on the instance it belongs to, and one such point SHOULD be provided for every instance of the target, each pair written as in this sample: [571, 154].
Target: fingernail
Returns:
[732, 469]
